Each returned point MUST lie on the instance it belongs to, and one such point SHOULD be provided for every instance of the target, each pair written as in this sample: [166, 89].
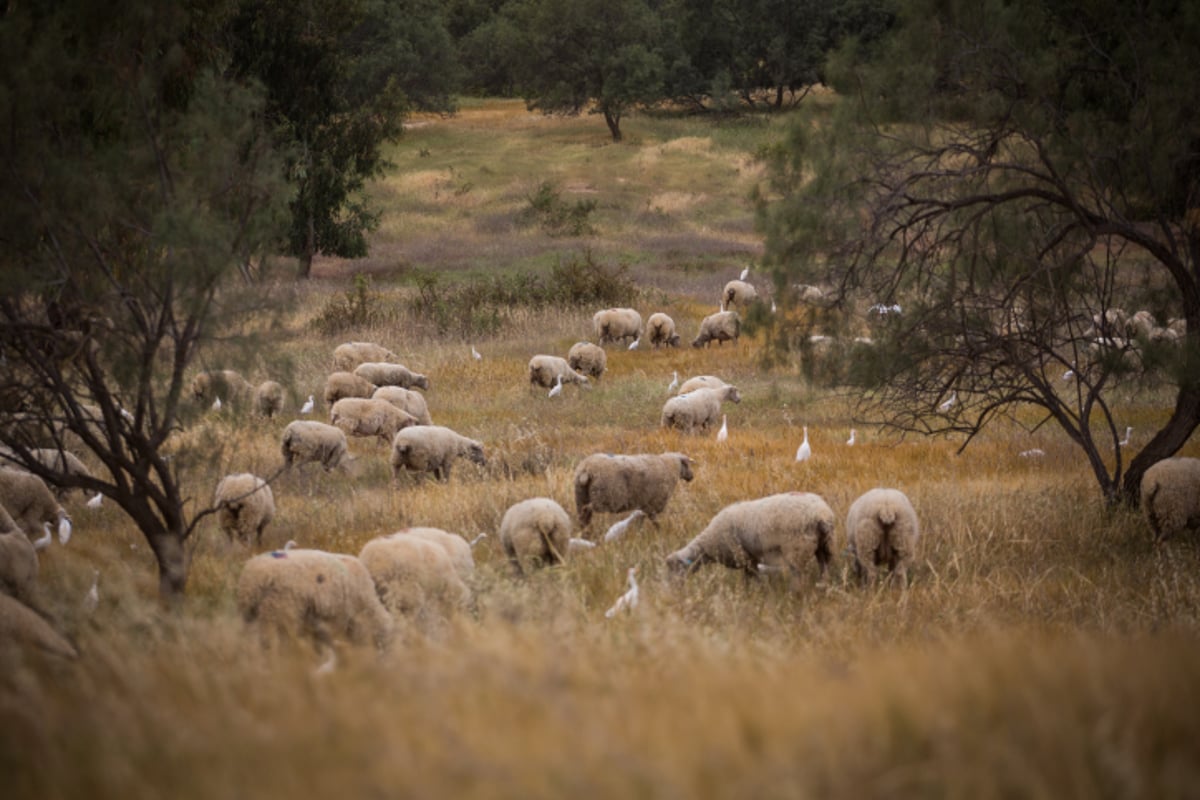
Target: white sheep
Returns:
[408, 400]
[737, 293]
[346, 384]
[18, 561]
[545, 371]
[661, 330]
[349, 355]
[366, 416]
[32, 505]
[616, 325]
[21, 626]
[311, 592]
[308, 440]
[246, 506]
[618, 483]
[226, 385]
[882, 528]
[698, 408]
[534, 533]
[383, 373]
[701, 382]
[587, 359]
[1171, 497]
[721, 327]
[458, 548]
[63, 462]
[778, 531]
[414, 577]
[432, 448]
[268, 398]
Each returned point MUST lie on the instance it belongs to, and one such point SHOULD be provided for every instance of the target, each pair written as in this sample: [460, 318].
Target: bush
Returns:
[556, 216]
[359, 307]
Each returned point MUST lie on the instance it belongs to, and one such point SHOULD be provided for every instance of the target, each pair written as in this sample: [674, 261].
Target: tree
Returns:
[136, 180]
[1018, 177]
[340, 76]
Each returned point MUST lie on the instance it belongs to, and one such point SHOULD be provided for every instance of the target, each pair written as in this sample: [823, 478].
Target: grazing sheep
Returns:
[365, 416]
[31, 504]
[661, 330]
[458, 548]
[615, 484]
[414, 577]
[1171, 497]
[616, 325]
[724, 326]
[315, 593]
[701, 382]
[21, 626]
[63, 462]
[268, 398]
[385, 374]
[18, 561]
[807, 293]
[346, 384]
[226, 385]
[432, 448]
[535, 532]
[408, 400]
[349, 355]
[545, 371]
[882, 528]
[587, 359]
[247, 506]
[737, 293]
[308, 440]
[698, 408]
[779, 531]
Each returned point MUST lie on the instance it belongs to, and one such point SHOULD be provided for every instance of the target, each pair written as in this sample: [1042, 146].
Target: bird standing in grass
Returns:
[627, 601]
[1128, 433]
[475, 354]
[674, 384]
[308, 406]
[92, 598]
[745, 274]
[216, 406]
[850, 441]
[94, 503]
[804, 451]
[634, 344]
[723, 434]
[556, 390]
[621, 527]
[949, 401]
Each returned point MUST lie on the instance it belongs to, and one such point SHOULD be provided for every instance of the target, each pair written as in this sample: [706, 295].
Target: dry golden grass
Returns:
[1043, 649]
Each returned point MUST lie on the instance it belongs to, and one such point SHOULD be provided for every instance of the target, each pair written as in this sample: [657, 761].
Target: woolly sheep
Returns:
[458, 548]
[661, 330]
[408, 400]
[698, 408]
[21, 626]
[414, 577]
[619, 483]
[721, 327]
[349, 355]
[535, 532]
[346, 384]
[432, 448]
[807, 293]
[323, 595]
[1171, 497]
[737, 293]
[247, 506]
[778, 531]
[268, 398]
[365, 416]
[701, 382]
[544, 371]
[308, 440]
[18, 561]
[587, 359]
[226, 384]
[882, 528]
[385, 374]
[31, 503]
[616, 325]
[61, 461]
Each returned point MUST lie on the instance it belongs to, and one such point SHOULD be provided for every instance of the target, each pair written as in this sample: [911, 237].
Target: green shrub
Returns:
[556, 216]
[359, 306]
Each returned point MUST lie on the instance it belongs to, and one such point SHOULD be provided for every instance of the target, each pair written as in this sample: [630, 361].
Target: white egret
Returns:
[308, 406]
[64, 530]
[723, 434]
[289, 545]
[674, 384]
[327, 666]
[621, 527]
[1068, 375]
[576, 544]
[92, 598]
[1036, 452]
[216, 406]
[804, 451]
[43, 541]
[745, 274]
[95, 501]
[627, 601]
[557, 389]
[850, 441]
[635, 343]
[948, 402]
[478, 539]
[1128, 433]
[475, 354]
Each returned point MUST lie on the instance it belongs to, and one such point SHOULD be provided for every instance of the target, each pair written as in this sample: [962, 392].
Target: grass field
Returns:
[1042, 649]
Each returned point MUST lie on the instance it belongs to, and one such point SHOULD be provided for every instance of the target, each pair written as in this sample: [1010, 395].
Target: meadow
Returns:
[1043, 647]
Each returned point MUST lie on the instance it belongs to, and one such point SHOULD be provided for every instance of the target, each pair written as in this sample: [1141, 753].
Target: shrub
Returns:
[556, 216]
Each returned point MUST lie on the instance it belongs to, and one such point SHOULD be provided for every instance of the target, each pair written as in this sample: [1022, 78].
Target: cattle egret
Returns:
[850, 441]
[745, 274]
[723, 434]
[95, 501]
[64, 530]
[674, 384]
[634, 345]
[92, 598]
[42, 542]
[557, 390]
[627, 601]
[620, 528]
[216, 406]
[475, 354]
[575, 544]
[773, 309]
[308, 406]
[327, 666]
[804, 452]
[1128, 433]
[949, 401]
[289, 545]
[478, 539]
[1036, 452]
[1068, 375]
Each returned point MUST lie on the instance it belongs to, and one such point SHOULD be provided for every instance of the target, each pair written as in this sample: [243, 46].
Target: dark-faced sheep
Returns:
[587, 359]
[661, 330]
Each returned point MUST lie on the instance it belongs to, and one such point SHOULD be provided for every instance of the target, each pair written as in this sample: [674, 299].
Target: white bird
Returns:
[773, 305]
[557, 389]
[92, 598]
[949, 401]
[1068, 375]
[308, 406]
[478, 539]
[576, 544]
[674, 384]
[634, 344]
[850, 441]
[1036, 452]
[804, 452]
[1128, 433]
[64, 530]
[128, 417]
[627, 601]
[327, 666]
[475, 354]
[216, 406]
[745, 274]
[723, 434]
[43, 541]
[621, 527]
[95, 501]
[289, 545]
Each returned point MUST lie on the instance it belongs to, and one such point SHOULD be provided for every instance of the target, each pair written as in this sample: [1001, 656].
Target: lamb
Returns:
[247, 505]
[616, 325]
[737, 293]
[386, 374]
[308, 440]
[587, 359]
[615, 484]
[661, 330]
[324, 595]
[346, 384]
[1171, 497]
[698, 408]
[22, 626]
[18, 561]
[414, 577]
[701, 382]
[458, 548]
[545, 371]
[349, 355]
[32, 505]
[364, 416]
[534, 533]
[407, 400]
[721, 327]
[226, 385]
[778, 531]
[882, 528]
[432, 448]
[268, 398]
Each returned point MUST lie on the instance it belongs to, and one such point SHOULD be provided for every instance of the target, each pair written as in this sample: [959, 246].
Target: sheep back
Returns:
[721, 327]
[1171, 497]
[458, 548]
[882, 529]
[414, 577]
[18, 561]
[616, 324]
[268, 398]
[349, 355]
[699, 408]
[22, 627]
[535, 533]
[29, 501]
[382, 373]
[661, 330]
[432, 448]
[408, 400]
[346, 384]
[737, 293]
[308, 440]
[365, 416]
[587, 359]
[226, 384]
[701, 382]
[247, 506]
[619, 483]
[545, 370]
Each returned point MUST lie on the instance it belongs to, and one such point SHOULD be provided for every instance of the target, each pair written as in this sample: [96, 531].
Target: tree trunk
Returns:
[1165, 444]
[310, 248]
[613, 121]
